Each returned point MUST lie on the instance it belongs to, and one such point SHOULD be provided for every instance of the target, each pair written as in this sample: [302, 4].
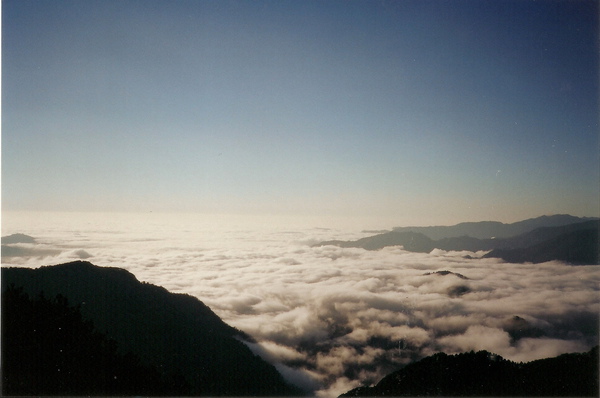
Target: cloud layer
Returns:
[332, 318]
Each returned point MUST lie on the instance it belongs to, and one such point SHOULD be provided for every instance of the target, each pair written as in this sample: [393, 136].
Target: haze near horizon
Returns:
[421, 112]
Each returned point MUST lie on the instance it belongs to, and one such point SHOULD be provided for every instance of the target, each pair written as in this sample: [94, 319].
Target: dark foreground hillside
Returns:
[486, 374]
[49, 349]
[171, 342]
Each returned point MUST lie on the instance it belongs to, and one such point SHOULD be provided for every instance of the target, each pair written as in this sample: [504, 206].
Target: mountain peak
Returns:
[17, 238]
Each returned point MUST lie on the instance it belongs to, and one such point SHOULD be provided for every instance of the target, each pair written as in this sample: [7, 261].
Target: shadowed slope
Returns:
[574, 243]
[411, 241]
[577, 247]
[486, 374]
[174, 332]
[495, 229]
[48, 349]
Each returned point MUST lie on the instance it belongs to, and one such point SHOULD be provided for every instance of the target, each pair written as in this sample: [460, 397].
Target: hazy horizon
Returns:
[12, 219]
[422, 112]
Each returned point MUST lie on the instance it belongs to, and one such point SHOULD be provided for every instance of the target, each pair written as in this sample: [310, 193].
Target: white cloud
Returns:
[80, 254]
[338, 387]
[529, 349]
[333, 318]
[476, 338]
[498, 341]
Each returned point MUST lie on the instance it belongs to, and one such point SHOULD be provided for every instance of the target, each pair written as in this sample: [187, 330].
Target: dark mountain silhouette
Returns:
[486, 374]
[456, 290]
[175, 333]
[574, 243]
[444, 273]
[518, 328]
[494, 229]
[17, 238]
[412, 241]
[577, 247]
[540, 235]
[48, 349]
[523, 240]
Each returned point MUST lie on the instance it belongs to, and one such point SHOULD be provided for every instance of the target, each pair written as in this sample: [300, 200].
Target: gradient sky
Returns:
[417, 111]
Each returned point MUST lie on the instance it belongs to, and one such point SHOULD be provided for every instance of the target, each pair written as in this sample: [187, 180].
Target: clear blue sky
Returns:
[440, 111]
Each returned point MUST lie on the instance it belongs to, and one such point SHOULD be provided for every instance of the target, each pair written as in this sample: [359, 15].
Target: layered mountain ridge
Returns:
[495, 229]
[565, 238]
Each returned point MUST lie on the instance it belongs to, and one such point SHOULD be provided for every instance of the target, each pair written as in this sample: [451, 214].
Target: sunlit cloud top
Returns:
[331, 318]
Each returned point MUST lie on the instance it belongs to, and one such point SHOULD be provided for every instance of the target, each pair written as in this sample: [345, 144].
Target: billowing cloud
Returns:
[331, 318]
[498, 341]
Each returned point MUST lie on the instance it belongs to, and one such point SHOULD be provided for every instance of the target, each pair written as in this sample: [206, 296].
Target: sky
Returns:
[420, 112]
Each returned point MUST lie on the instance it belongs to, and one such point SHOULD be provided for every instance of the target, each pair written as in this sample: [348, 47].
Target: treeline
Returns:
[168, 344]
[49, 349]
[486, 374]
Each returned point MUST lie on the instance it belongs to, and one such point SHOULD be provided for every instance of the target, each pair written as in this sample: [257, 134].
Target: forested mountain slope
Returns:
[175, 333]
[486, 374]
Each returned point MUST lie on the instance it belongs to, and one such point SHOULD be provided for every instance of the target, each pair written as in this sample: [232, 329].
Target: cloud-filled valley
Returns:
[333, 318]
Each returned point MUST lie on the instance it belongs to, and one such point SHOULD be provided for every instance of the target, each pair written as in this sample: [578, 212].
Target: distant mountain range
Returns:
[174, 334]
[495, 229]
[17, 238]
[562, 237]
[11, 247]
[578, 246]
[485, 374]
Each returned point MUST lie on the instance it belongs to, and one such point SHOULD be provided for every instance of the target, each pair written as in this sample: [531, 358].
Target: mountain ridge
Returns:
[49, 349]
[174, 332]
[486, 374]
[559, 241]
[494, 229]
[577, 247]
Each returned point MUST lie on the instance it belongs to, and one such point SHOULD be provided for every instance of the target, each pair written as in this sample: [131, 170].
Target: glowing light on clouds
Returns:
[330, 318]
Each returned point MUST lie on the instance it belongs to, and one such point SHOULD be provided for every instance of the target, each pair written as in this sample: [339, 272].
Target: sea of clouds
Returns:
[329, 318]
